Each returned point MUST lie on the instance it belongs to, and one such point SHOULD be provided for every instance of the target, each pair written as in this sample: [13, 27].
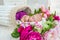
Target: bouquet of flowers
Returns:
[40, 25]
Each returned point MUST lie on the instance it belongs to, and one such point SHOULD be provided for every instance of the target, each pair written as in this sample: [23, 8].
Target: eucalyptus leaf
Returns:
[39, 10]
[35, 11]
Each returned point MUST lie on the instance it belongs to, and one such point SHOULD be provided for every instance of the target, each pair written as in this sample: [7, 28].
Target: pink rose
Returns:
[45, 11]
[56, 18]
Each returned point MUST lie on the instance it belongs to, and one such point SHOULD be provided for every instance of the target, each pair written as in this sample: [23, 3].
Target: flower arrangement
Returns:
[40, 25]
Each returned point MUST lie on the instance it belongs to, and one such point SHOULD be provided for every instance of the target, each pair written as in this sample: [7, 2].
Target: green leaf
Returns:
[31, 14]
[37, 29]
[44, 30]
[47, 26]
[39, 10]
[18, 25]
[51, 18]
[35, 11]
[15, 34]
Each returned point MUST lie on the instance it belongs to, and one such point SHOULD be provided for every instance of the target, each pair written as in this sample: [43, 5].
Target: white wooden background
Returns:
[5, 29]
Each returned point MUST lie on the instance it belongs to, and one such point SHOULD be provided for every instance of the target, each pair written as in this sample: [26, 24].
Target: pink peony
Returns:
[33, 36]
[24, 32]
[20, 29]
[28, 34]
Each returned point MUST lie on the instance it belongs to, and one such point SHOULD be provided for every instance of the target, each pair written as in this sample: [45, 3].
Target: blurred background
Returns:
[7, 5]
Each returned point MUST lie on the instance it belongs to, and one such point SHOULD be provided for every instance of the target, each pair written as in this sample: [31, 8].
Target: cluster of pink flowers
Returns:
[28, 32]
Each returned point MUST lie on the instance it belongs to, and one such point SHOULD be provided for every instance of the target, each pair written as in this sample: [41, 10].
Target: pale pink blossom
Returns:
[53, 34]
[45, 11]
[43, 8]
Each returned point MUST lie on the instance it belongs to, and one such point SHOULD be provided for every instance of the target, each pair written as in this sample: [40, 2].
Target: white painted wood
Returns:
[35, 4]
[55, 6]
[4, 15]
[1, 2]
[14, 2]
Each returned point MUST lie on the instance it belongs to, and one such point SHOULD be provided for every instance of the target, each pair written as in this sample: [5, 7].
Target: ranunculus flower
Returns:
[25, 18]
[35, 18]
[20, 14]
[56, 18]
